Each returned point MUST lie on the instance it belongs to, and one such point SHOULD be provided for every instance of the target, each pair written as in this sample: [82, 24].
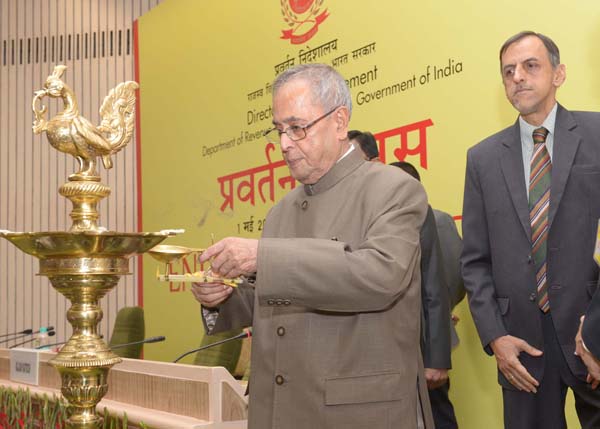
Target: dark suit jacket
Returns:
[451, 246]
[498, 269]
[434, 295]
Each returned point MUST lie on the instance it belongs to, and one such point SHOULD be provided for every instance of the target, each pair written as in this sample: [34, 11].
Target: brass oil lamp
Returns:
[87, 261]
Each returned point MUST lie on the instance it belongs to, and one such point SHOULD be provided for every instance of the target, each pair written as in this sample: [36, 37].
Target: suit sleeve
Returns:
[451, 246]
[234, 313]
[476, 260]
[329, 275]
[434, 293]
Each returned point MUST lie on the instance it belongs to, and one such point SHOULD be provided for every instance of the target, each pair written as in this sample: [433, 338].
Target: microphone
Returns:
[50, 334]
[60, 343]
[147, 340]
[16, 336]
[247, 333]
[25, 332]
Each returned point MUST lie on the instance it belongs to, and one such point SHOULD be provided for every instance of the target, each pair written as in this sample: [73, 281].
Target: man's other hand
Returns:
[211, 295]
[592, 364]
[507, 349]
[435, 377]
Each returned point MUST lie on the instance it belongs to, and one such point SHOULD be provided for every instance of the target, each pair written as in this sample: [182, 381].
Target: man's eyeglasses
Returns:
[294, 132]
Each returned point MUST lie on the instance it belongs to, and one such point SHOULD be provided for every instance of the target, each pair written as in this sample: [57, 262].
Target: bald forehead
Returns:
[298, 84]
[297, 93]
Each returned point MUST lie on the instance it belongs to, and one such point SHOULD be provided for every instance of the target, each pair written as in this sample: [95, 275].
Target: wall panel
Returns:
[91, 38]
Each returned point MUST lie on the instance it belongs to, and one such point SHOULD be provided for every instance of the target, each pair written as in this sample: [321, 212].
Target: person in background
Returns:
[336, 299]
[366, 143]
[531, 209]
[440, 284]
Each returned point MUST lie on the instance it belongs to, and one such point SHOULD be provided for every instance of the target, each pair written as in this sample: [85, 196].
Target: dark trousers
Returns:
[546, 408]
[443, 411]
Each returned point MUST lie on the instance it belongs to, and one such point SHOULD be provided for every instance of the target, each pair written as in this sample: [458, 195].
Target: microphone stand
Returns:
[18, 337]
[147, 340]
[50, 334]
[246, 334]
[25, 332]
[60, 343]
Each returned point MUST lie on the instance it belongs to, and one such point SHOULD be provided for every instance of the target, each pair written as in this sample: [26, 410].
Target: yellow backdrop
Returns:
[423, 71]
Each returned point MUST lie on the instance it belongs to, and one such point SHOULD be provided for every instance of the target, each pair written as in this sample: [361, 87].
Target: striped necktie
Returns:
[539, 203]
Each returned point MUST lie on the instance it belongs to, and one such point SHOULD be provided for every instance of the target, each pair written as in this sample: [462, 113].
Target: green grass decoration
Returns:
[21, 409]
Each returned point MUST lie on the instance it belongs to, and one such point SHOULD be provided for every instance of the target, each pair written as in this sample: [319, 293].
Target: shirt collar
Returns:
[527, 129]
[350, 149]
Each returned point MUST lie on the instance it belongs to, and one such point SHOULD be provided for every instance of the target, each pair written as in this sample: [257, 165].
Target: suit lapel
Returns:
[511, 162]
[565, 146]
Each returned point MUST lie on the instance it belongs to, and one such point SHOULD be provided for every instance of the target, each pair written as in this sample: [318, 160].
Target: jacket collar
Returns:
[566, 142]
[340, 170]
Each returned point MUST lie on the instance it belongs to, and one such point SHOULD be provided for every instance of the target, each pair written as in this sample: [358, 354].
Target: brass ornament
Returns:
[169, 253]
[86, 262]
[71, 133]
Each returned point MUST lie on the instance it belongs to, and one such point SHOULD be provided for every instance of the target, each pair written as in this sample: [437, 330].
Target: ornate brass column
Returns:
[86, 262]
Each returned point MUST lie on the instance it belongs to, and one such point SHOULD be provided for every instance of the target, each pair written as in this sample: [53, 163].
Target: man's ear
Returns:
[342, 118]
[560, 74]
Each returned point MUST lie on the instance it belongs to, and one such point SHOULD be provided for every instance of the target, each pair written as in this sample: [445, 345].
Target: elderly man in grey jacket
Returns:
[335, 306]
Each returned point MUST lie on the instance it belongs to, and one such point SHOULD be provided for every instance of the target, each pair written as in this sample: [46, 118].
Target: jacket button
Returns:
[529, 259]
[286, 302]
[278, 301]
[279, 380]
[532, 297]
[281, 331]
[304, 205]
[271, 302]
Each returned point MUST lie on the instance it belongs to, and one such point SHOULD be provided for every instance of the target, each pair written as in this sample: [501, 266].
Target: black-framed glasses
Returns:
[294, 132]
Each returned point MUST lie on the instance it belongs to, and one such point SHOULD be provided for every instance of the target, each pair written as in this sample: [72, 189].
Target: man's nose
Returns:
[519, 73]
[285, 142]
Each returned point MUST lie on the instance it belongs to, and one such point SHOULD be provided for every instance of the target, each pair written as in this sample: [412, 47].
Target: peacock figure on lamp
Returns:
[71, 133]
[87, 261]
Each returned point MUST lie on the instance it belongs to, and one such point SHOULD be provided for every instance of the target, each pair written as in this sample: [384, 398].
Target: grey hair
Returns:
[553, 52]
[327, 86]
